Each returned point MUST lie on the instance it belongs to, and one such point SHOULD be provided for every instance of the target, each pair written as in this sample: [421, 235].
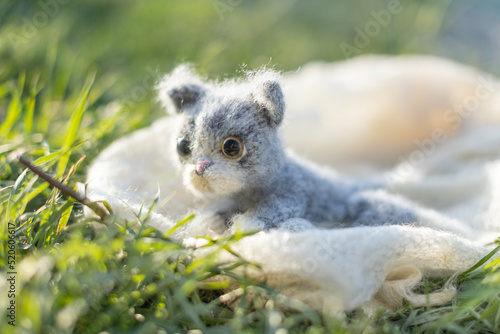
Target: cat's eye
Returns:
[232, 147]
[183, 147]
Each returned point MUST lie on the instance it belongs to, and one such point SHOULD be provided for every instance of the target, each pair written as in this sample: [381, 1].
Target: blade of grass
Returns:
[74, 168]
[179, 224]
[9, 215]
[21, 81]
[46, 158]
[65, 217]
[26, 199]
[4, 89]
[15, 106]
[143, 220]
[19, 182]
[30, 104]
[485, 259]
[74, 125]
[13, 114]
[28, 117]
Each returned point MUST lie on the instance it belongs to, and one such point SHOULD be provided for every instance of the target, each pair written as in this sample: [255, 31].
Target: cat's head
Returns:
[227, 140]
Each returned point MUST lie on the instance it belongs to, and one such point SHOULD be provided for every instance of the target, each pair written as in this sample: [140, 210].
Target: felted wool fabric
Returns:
[426, 126]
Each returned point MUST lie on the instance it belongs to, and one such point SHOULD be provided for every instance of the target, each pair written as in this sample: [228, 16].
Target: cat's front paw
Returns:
[245, 223]
[205, 224]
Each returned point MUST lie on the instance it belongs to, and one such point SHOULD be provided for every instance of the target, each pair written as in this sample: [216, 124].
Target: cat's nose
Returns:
[202, 165]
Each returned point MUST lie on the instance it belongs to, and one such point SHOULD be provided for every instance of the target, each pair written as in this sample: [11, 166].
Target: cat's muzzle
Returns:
[202, 165]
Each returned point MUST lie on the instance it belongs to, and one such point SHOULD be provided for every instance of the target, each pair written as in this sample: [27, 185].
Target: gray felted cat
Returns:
[230, 152]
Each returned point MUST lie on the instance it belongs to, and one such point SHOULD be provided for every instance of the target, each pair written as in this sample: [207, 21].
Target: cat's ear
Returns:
[180, 89]
[268, 96]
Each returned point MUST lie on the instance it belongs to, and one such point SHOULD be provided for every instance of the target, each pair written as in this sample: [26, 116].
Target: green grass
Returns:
[83, 81]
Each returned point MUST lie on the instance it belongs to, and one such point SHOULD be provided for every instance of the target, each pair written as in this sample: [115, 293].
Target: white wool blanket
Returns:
[427, 126]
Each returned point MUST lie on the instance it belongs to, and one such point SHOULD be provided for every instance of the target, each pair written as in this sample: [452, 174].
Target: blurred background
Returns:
[128, 44]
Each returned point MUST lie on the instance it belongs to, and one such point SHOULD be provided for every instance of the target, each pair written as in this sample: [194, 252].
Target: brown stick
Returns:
[97, 207]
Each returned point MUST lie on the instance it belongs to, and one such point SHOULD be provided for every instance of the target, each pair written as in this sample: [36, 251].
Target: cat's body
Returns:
[230, 152]
[303, 190]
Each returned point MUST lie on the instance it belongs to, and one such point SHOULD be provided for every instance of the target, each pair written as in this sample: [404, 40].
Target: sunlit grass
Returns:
[61, 104]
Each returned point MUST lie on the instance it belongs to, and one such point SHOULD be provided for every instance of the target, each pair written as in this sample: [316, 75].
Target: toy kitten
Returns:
[231, 154]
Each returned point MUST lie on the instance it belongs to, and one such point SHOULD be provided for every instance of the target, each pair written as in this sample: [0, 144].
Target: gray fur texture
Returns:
[266, 183]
